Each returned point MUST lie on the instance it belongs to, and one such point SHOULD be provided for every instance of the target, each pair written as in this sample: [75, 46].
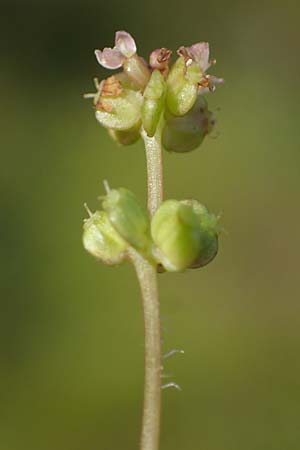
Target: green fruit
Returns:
[128, 217]
[102, 241]
[186, 133]
[185, 235]
[154, 97]
[182, 87]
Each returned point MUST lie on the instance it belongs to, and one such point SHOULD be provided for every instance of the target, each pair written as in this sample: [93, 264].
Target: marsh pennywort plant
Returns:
[164, 105]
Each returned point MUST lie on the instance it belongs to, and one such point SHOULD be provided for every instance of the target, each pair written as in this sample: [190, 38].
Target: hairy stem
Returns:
[154, 169]
[147, 276]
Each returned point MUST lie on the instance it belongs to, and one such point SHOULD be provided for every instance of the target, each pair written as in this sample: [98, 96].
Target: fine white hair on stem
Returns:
[88, 209]
[172, 352]
[89, 95]
[106, 186]
[171, 385]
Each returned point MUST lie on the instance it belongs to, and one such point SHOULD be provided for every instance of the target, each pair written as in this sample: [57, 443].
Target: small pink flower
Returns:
[199, 53]
[113, 58]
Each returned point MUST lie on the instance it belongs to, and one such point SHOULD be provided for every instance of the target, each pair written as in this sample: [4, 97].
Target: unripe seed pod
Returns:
[185, 235]
[209, 232]
[154, 96]
[122, 112]
[128, 218]
[175, 232]
[102, 241]
[186, 133]
[208, 251]
[182, 87]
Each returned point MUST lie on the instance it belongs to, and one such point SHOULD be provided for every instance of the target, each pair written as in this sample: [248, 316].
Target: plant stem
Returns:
[147, 276]
[154, 169]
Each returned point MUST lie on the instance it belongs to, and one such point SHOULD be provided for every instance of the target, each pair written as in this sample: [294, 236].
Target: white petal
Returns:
[125, 43]
[215, 81]
[110, 58]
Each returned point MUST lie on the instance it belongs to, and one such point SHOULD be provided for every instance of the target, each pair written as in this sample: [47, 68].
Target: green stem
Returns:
[147, 277]
[154, 169]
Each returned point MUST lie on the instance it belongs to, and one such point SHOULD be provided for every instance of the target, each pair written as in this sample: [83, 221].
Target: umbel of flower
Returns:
[185, 235]
[143, 95]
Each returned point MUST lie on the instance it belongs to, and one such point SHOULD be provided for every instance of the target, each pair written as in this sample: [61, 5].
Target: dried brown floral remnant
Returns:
[160, 58]
[111, 87]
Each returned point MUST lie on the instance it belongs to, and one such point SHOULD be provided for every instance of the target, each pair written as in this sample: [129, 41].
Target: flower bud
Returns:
[153, 102]
[160, 59]
[182, 85]
[137, 70]
[186, 133]
[101, 240]
[185, 235]
[128, 217]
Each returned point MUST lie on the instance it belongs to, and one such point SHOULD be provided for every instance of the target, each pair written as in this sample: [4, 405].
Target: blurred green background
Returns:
[71, 331]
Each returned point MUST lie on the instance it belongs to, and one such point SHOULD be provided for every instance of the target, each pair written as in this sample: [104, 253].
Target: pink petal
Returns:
[200, 53]
[125, 43]
[110, 58]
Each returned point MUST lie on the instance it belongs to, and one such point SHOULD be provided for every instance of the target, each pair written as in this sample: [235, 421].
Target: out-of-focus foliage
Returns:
[71, 332]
